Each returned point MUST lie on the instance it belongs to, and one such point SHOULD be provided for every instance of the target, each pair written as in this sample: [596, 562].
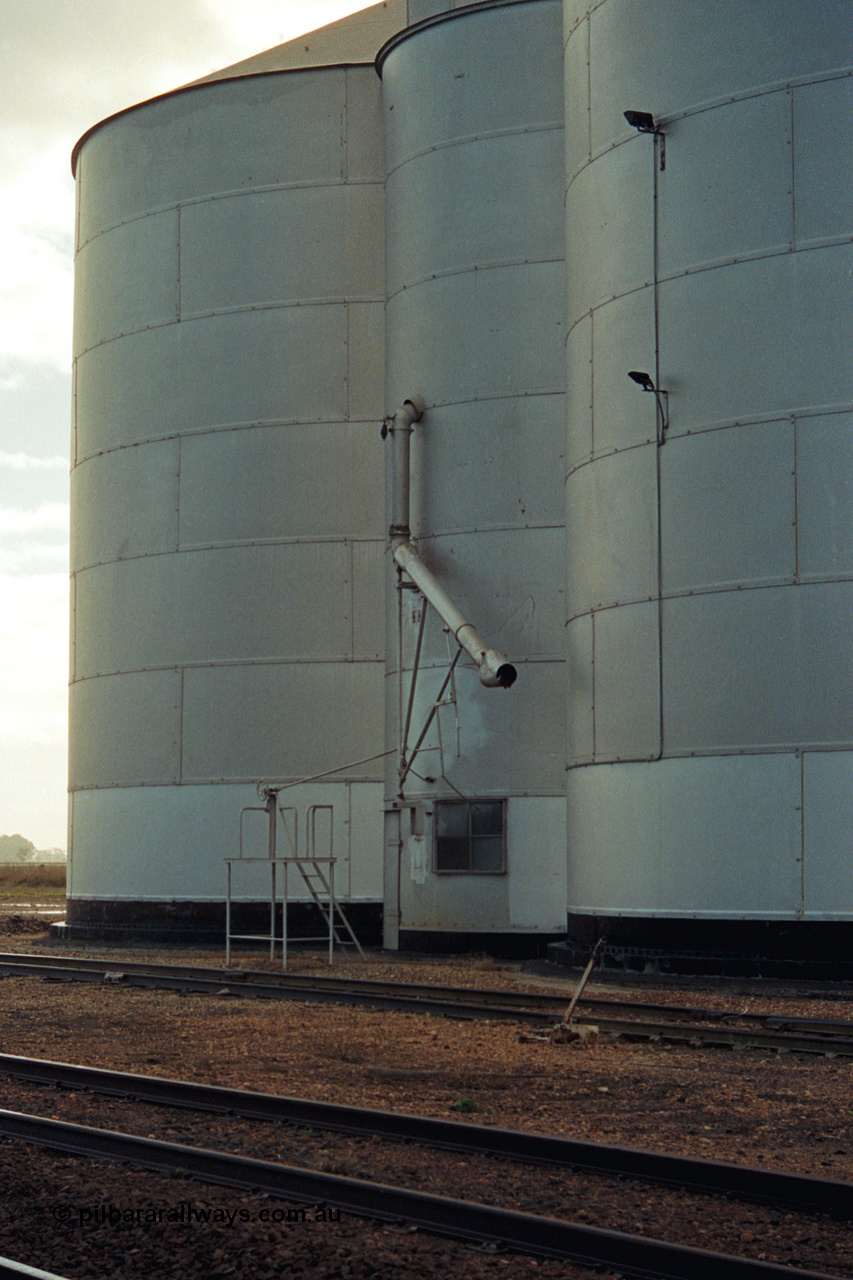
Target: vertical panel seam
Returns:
[180, 445]
[181, 727]
[793, 181]
[591, 385]
[796, 504]
[589, 86]
[592, 617]
[802, 834]
[178, 282]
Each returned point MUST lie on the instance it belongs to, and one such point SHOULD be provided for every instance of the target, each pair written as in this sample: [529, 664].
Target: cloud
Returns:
[23, 462]
[50, 515]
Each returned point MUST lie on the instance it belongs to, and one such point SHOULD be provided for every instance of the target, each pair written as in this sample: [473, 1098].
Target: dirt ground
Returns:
[753, 1107]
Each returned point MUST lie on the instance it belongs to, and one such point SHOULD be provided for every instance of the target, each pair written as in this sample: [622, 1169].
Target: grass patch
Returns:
[36, 881]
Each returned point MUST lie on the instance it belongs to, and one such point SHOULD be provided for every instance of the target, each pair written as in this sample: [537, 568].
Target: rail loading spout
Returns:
[495, 669]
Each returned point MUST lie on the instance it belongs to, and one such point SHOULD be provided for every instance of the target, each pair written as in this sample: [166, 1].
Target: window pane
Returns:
[451, 820]
[487, 818]
[451, 854]
[487, 853]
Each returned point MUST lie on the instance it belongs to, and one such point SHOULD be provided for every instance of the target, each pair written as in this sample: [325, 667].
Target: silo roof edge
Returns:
[351, 41]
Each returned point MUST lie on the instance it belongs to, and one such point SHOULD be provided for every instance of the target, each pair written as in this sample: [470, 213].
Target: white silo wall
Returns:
[227, 538]
[710, 592]
[475, 324]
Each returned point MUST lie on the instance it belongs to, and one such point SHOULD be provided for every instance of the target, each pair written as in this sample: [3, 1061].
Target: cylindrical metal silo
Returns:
[710, 591]
[227, 542]
[475, 837]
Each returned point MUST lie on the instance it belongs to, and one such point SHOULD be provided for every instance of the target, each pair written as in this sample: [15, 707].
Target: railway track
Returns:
[463, 1219]
[618, 1018]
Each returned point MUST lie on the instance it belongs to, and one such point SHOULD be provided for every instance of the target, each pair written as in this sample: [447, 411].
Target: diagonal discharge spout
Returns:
[496, 671]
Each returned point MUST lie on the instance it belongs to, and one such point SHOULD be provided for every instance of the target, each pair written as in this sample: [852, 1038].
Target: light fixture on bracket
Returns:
[644, 122]
[661, 397]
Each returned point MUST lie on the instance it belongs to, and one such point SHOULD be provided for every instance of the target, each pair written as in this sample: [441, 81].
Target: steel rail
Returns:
[484, 995]
[764, 1031]
[462, 1219]
[12, 1270]
[799, 1191]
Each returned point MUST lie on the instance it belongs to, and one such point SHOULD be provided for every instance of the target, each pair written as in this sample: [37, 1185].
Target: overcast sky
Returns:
[65, 65]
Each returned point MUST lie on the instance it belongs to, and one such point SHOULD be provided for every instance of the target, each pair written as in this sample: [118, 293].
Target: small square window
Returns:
[470, 836]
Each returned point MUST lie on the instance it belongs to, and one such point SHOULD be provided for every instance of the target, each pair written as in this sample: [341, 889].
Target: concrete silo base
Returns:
[187, 922]
[742, 948]
[510, 944]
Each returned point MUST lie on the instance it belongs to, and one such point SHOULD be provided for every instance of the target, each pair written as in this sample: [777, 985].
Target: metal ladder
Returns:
[310, 866]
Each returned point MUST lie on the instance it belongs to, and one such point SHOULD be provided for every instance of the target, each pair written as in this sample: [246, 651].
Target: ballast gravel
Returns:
[87, 1218]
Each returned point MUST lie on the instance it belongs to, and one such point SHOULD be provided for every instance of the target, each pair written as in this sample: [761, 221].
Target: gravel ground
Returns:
[85, 1218]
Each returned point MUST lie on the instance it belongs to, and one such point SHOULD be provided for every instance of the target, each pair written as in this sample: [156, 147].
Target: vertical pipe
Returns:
[271, 810]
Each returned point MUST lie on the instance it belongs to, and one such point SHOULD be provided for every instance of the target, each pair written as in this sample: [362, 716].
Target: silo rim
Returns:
[197, 86]
[350, 41]
[439, 18]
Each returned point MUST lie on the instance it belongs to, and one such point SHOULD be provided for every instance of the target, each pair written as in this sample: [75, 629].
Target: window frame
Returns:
[469, 804]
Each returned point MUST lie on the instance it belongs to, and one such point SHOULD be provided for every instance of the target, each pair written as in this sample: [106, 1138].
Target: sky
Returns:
[65, 65]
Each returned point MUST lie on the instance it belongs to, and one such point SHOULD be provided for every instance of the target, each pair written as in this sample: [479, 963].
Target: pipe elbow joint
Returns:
[496, 671]
[413, 408]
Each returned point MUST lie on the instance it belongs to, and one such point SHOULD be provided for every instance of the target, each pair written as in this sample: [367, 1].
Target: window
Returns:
[470, 836]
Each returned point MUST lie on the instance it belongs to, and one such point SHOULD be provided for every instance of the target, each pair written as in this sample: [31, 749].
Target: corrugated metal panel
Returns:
[823, 187]
[498, 447]
[576, 68]
[365, 860]
[638, 52]
[365, 143]
[125, 504]
[264, 131]
[825, 495]
[537, 902]
[175, 836]
[112, 300]
[124, 731]
[231, 604]
[367, 599]
[599, 228]
[265, 483]
[728, 508]
[523, 40]
[713, 837]
[827, 834]
[513, 743]
[783, 312]
[702, 175]
[769, 667]
[627, 683]
[296, 244]
[517, 353]
[366, 361]
[214, 372]
[511, 581]
[468, 182]
[289, 720]
[581, 704]
[611, 531]
[623, 338]
[579, 393]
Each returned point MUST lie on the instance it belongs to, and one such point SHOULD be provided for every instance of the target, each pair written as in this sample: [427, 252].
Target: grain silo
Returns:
[473, 149]
[228, 548]
[274, 261]
[709, 221]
